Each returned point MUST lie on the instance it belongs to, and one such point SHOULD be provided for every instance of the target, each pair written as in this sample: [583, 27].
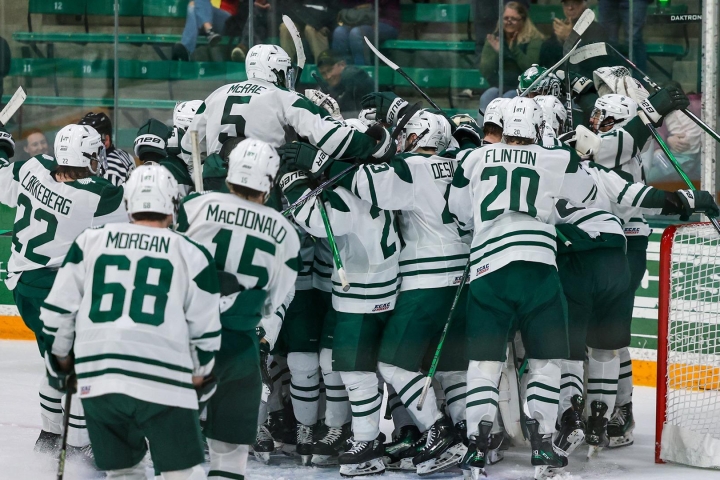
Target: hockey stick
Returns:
[673, 160]
[399, 70]
[333, 245]
[550, 70]
[299, 49]
[197, 166]
[66, 427]
[579, 28]
[438, 350]
[12, 106]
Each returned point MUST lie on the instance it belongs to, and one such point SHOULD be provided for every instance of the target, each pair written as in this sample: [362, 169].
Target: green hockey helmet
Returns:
[549, 85]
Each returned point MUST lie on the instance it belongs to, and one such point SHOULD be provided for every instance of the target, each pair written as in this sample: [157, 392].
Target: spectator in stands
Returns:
[264, 21]
[614, 13]
[345, 83]
[314, 21]
[355, 21]
[522, 49]
[35, 143]
[552, 49]
[119, 163]
[485, 18]
[201, 17]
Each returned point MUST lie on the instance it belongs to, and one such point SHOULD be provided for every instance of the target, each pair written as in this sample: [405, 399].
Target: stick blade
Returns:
[382, 57]
[13, 105]
[587, 52]
[297, 40]
[581, 25]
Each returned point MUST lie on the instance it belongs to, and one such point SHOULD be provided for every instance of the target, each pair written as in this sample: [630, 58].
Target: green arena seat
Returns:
[165, 8]
[58, 7]
[127, 8]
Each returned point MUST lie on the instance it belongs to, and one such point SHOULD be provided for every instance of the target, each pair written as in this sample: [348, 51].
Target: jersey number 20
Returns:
[501, 184]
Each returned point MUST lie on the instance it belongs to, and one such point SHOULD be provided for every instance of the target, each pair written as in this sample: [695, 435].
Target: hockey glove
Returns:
[606, 79]
[174, 140]
[697, 201]
[325, 101]
[294, 184]
[578, 84]
[388, 106]
[7, 145]
[386, 147]
[664, 101]
[59, 379]
[468, 135]
[304, 156]
[206, 389]
[151, 141]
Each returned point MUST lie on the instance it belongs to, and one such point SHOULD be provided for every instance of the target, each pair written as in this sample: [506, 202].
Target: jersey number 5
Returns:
[246, 266]
[108, 299]
[519, 174]
[230, 120]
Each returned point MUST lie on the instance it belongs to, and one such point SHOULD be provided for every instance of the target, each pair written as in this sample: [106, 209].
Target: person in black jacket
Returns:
[345, 83]
[552, 49]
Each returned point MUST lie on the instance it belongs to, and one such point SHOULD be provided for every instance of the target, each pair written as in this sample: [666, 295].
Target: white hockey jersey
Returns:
[369, 247]
[507, 193]
[417, 185]
[254, 243]
[51, 214]
[264, 111]
[141, 305]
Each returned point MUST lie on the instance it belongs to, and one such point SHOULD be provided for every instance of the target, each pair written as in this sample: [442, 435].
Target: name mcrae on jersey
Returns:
[264, 111]
[142, 306]
[254, 243]
[51, 214]
[507, 195]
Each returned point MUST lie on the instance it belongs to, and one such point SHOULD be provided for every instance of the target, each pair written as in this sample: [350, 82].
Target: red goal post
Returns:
[688, 355]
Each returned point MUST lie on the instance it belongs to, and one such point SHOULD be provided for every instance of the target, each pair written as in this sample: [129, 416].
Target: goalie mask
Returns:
[495, 111]
[549, 85]
[431, 131]
[554, 112]
[611, 112]
[78, 146]
[151, 188]
[253, 164]
[523, 118]
[270, 63]
[184, 113]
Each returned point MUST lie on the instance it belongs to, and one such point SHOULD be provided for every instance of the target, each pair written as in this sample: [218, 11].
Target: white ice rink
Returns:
[21, 367]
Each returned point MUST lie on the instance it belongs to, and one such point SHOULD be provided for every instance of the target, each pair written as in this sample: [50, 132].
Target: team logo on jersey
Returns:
[632, 231]
[457, 280]
[482, 269]
[85, 390]
[381, 307]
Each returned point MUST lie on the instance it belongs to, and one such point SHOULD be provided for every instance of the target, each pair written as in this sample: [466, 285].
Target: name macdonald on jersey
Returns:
[523, 157]
[46, 196]
[248, 219]
[138, 241]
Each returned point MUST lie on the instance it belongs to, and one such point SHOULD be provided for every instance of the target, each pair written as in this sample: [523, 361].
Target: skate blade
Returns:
[593, 452]
[624, 441]
[404, 464]
[449, 458]
[305, 460]
[324, 461]
[574, 439]
[495, 456]
[477, 473]
[263, 457]
[372, 467]
[546, 471]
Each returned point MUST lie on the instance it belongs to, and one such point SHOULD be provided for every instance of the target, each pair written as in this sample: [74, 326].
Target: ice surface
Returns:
[21, 368]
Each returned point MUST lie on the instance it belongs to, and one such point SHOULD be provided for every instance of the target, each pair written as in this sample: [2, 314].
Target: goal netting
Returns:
[688, 402]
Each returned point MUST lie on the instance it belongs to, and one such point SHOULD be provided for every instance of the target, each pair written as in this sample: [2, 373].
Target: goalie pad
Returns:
[587, 143]
[325, 101]
[509, 401]
[607, 79]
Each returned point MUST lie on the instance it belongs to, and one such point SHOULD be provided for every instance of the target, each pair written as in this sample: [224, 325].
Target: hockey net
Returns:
[688, 394]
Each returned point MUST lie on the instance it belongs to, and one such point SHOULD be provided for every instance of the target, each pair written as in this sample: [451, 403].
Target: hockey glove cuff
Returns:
[7, 145]
[699, 201]
[151, 141]
[294, 184]
[305, 157]
[173, 142]
[388, 106]
[578, 84]
[58, 379]
[664, 101]
[386, 146]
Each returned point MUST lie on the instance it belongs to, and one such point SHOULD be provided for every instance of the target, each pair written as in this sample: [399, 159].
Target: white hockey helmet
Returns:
[253, 164]
[78, 145]
[432, 131]
[270, 63]
[612, 110]
[554, 112]
[495, 111]
[184, 113]
[523, 118]
[151, 188]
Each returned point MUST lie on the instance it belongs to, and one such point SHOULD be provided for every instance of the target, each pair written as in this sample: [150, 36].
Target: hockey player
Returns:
[135, 310]
[256, 251]
[56, 199]
[368, 242]
[493, 121]
[432, 260]
[120, 164]
[549, 85]
[554, 118]
[266, 108]
[511, 189]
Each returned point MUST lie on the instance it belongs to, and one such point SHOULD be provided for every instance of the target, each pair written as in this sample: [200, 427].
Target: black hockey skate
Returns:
[621, 426]
[363, 458]
[444, 448]
[264, 444]
[572, 428]
[326, 450]
[543, 453]
[399, 452]
[461, 429]
[596, 432]
[304, 442]
[48, 443]
[473, 463]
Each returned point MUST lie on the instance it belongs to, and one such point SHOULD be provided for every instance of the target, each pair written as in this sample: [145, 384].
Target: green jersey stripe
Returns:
[461, 256]
[370, 285]
[519, 232]
[543, 399]
[131, 358]
[142, 376]
[358, 296]
[514, 244]
[431, 271]
[639, 195]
